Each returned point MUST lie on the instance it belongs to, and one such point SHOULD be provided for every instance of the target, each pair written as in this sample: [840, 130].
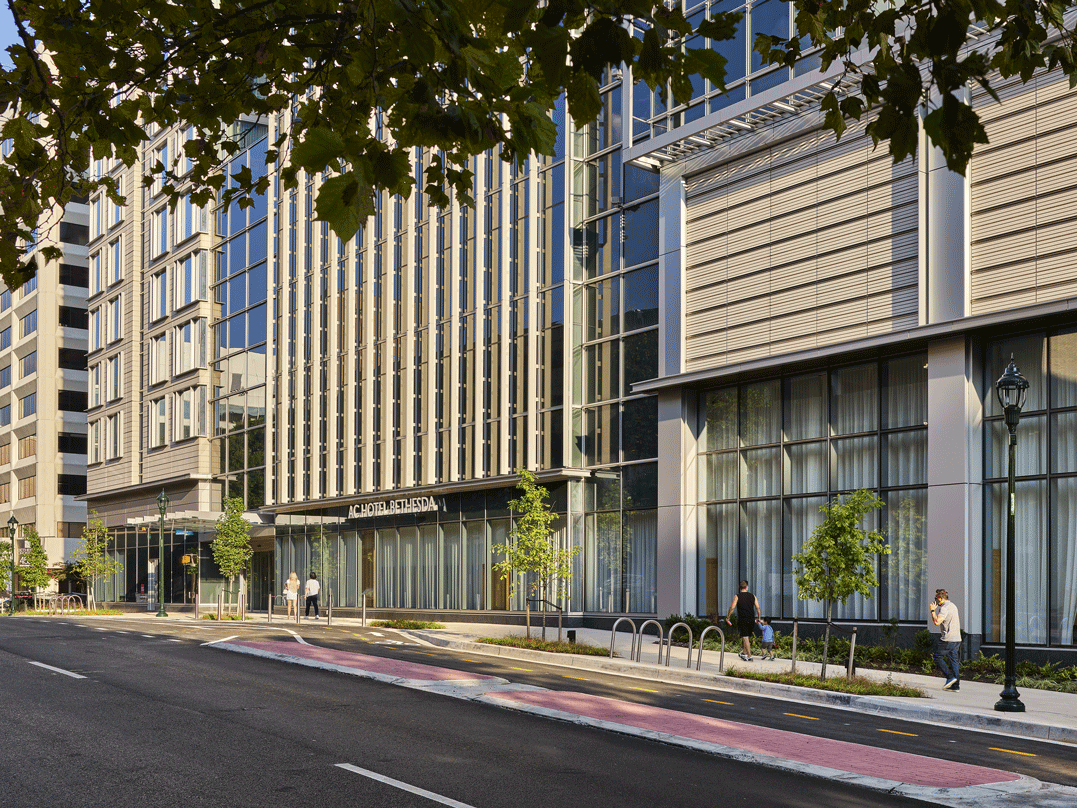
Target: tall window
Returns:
[95, 445]
[116, 215]
[96, 217]
[159, 233]
[190, 342]
[159, 295]
[28, 405]
[159, 359]
[5, 377]
[27, 487]
[1045, 494]
[113, 377]
[115, 319]
[28, 324]
[772, 452]
[115, 261]
[158, 421]
[97, 276]
[114, 436]
[27, 446]
[190, 281]
[28, 365]
[190, 411]
[160, 156]
[95, 386]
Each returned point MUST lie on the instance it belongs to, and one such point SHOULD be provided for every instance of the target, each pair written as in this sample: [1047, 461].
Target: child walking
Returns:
[768, 639]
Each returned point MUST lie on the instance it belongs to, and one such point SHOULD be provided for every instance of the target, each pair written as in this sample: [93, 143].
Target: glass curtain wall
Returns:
[441, 560]
[1045, 495]
[774, 451]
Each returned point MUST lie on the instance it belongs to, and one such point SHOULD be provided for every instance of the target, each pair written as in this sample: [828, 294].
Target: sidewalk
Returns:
[1048, 715]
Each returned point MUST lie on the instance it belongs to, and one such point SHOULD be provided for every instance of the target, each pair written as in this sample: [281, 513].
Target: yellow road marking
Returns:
[895, 732]
[425, 652]
[1011, 751]
[797, 715]
[468, 660]
[578, 677]
[712, 701]
[522, 669]
[645, 690]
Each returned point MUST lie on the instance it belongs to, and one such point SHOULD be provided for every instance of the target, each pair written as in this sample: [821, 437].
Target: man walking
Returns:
[746, 605]
[947, 649]
[312, 590]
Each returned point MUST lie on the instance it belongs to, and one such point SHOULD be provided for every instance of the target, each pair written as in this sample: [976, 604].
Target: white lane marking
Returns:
[175, 640]
[376, 634]
[226, 639]
[297, 637]
[148, 636]
[422, 792]
[101, 629]
[58, 670]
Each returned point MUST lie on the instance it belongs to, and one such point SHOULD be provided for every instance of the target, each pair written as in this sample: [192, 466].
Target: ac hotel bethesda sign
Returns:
[391, 507]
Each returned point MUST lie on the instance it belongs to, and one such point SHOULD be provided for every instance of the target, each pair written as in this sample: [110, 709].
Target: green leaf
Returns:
[318, 148]
[345, 203]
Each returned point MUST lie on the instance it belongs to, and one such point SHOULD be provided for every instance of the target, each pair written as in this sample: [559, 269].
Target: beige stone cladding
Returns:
[809, 242]
[1024, 196]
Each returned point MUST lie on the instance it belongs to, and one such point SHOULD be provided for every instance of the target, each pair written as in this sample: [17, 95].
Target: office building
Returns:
[695, 323]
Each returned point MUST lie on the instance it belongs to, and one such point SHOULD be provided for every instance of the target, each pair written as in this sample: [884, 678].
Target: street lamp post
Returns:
[162, 505]
[13, 524]
[1011, 389]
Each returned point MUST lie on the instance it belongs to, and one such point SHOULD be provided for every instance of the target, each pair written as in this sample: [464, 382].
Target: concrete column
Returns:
[676, 560]
[955, 479]
[944, 239]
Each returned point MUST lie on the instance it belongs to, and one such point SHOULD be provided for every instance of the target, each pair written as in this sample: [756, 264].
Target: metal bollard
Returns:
[269, 610]
[220, 606]
[329, 609]
[852, 649]
[793, 667]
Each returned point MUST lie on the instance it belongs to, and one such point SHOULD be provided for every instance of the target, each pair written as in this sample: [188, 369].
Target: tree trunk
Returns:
[527, 615]
[826, 638]
[242, 593]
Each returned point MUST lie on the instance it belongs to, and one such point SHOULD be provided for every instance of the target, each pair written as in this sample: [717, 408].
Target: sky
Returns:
[7, 33]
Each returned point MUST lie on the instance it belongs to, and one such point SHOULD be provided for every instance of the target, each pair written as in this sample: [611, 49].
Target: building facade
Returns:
[43, 341]
[695, 323]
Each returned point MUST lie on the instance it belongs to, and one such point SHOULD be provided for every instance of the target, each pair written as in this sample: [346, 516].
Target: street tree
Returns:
[91, 558]
[231, 545]
[367, 83]
[839, 559]
[531, 550]
[33, 562]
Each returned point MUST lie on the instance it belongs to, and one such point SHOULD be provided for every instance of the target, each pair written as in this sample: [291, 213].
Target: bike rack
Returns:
[661, 635]
[669, 647]
[59, 604]
[613, 637]
[721, 656]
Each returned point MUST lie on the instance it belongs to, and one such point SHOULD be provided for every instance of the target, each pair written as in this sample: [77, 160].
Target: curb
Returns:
[874, 705]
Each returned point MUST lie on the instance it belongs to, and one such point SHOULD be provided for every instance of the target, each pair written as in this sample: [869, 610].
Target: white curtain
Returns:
[906, 391]
[1030, 456]
[426, 597]
[604, 558]
[475, 586]
[409, 568]
[805, 407]
[761, 552]
[641, 559]
[802, 517]
[1064, 563]
[807, 464]
[452, 565]
[855, 394]
[856, 463]
[719, 571]
[904, 579]
[1030, 560]
[906, 458]
[387, 567]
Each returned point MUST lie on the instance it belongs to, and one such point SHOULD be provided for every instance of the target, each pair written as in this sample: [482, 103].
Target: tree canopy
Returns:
[91, 558]
[367, 82]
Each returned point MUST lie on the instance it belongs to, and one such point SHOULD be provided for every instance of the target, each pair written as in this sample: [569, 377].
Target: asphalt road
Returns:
[161, 717]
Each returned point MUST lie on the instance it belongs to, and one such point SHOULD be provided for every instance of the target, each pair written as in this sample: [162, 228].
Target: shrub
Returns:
[405, 624]
[697, 624]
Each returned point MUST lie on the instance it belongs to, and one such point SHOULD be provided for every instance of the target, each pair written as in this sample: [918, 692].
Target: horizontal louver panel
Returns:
[1024, 196]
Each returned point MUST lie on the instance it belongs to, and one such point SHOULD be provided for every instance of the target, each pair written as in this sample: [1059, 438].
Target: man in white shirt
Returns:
[312, 591]
[948, 648]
